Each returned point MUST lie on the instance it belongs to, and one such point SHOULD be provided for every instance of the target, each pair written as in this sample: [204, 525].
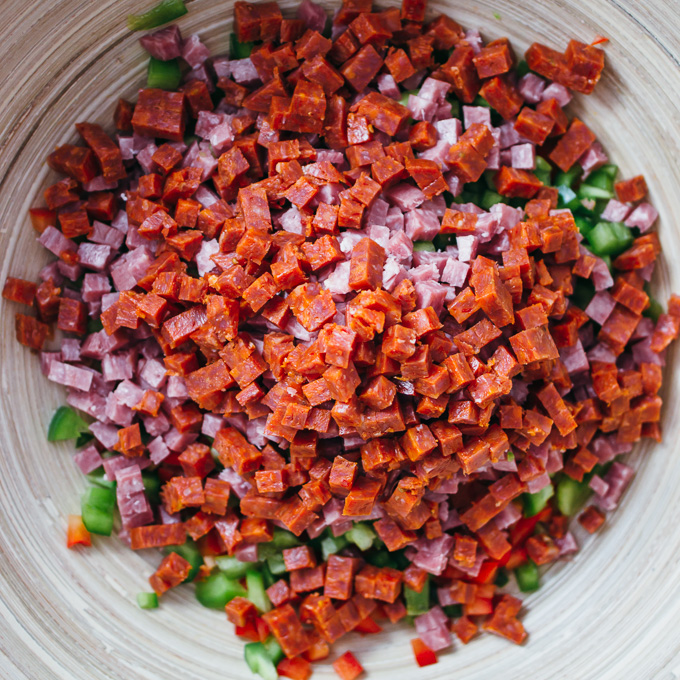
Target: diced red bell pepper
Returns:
[347, 667]
[249, 632]
[424, 655]
[525, 526]
[77, 534]
[516, 557]
[480, 607]
[262, 629]
[368, 625]
[487, 572]
[296, 668]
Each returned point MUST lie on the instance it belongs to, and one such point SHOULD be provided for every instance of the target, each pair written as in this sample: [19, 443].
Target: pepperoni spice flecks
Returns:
[358, 319]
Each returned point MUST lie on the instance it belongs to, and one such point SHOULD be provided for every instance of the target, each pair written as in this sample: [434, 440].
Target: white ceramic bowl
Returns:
[71, 615]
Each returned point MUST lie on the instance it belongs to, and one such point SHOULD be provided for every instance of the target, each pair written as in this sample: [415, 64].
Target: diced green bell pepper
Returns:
[567, 198]
[217, 590]
[330, 545]
[83, 439]
[239, 50]
[543, 170]
[381, 558]
[96, 520]
[94, 325]
[417, 603]
[100, 497]
[584, 291]
[588, 191]
[603, 178]
[490, 198]
[362, 535]
[284, 539]
[231, 566]
[259, 661]
[403, 100]
[502, 578]
[147, 600]
[527, 577]
[276, 564]
[162, 13]
[164, 75]
[256, 590]
[423, 246]
[654, 310]
[152, 486]
[571, 495]
[584, 225]
[273, 648]
[522, 68]
[98, 477]
[535, 502]
[609, 238]
[568, 178]
[65, 424]
[453, 611]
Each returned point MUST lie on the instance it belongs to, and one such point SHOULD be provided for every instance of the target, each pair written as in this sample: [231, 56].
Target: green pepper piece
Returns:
[232, 566]
[453, 611]
[403, 100]
[331, 545]
[239, 50]
[417, 603]
[147, 600]
[259, 661]
[266, 550]
[603, 178]
[654, 310]
[571, 495]
[584, 291]
[83, 439]
[162, 13]
[256, 590]
[543, 170]
[423, 246]
[381, 558]
[152, 486]
[584, 225]
[527, 577]
[276, 564]
[588, 191]
[490, 198]
[96, 520]
[522, 68]
[94, 325]
[98, 477]
[191, 554]
[535, 502]
[217, 590]
[609, 238]
[362, 535]
[65, 424]
[164, 75]
[283, 539]
[100, 497]
[274, 651]
[568, 178]
[502, 578]
[567, 198]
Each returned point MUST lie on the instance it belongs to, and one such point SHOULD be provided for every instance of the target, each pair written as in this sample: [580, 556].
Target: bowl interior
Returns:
[72, 614]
